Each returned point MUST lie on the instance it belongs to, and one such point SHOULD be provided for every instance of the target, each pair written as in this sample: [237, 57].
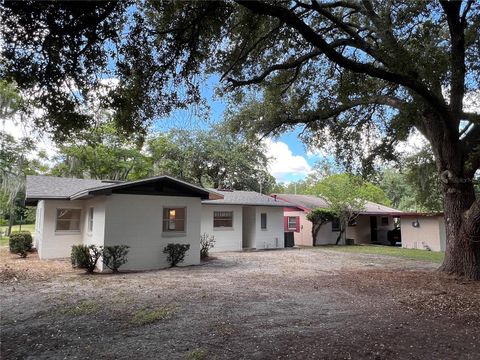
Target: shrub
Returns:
[115, 256]
[176, 253]
[85, 257]
[21, 243]
[206, 243]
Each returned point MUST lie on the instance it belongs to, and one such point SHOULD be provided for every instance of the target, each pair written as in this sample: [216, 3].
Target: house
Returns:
[423, 231]
[371, 226]
[243, 220]
[145, 215]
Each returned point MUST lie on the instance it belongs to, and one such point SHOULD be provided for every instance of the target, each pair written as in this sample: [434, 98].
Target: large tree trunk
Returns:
[461, 209]
[462, 225]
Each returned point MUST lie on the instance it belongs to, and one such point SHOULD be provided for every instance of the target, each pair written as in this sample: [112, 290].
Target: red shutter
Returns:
[297, 223]
[285, 223]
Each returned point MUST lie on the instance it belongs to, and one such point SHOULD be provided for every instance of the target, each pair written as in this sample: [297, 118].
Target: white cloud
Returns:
[284, 163]
[20, 128]
[414, 143]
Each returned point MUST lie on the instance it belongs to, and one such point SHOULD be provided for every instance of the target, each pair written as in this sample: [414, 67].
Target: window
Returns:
[385, 220]
[336, 224]
[223, 219]
[263, 221]
[174, 219]
[292, 223]
[90, 219]
[68, 220]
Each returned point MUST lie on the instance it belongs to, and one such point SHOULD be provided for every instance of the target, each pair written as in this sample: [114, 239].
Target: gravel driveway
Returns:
[299, 304]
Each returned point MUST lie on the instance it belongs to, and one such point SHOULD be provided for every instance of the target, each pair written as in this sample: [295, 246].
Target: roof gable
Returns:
[50, 187]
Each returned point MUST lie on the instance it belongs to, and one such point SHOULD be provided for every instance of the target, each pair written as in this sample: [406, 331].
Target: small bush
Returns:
[85, 257]
[21, 243]
[176, 253]
[115, 256]
[206, 243]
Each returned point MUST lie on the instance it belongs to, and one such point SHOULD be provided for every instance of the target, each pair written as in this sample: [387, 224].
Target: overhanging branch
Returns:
[291, 20]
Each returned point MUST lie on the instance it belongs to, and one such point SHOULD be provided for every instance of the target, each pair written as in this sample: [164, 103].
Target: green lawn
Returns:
[413, 254]
[26, 227]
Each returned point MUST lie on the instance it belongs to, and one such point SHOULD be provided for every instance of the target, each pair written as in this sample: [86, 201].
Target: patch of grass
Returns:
[413, 254]
[86, 307]
[197, 354]
[25, 227]
[144, 317]
[4, 241]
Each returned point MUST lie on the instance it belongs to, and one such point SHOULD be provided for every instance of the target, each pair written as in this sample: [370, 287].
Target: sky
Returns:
[290, 158]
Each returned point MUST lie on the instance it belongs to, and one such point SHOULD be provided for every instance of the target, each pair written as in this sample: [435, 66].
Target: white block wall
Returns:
[136, 220]
[53, 244]
[226, 239]
[273, 236]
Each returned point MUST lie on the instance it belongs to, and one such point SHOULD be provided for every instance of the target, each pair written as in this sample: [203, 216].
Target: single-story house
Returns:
[145, 215]
[371, 226]
[423, 231]
[243, 220]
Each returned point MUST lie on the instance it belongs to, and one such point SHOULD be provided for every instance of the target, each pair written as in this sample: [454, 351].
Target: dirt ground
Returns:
[298, 304]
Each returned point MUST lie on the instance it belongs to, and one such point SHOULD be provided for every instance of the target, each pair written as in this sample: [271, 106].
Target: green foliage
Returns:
[214, 158]
[319, 217]
[206, 243]
[21, 243]
[176, 253]
[422, 176]
[10, 100]
[345, 195]
[102, 153]
[85, 257]
[115, 256]
[416, 187]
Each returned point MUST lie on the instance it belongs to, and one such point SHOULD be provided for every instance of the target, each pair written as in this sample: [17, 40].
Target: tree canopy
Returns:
[358, 76]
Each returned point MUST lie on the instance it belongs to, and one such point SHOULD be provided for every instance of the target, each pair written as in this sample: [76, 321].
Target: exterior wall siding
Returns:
[136, 220]
[426, 236]
[57, 244]
[272, 236]
[226, 239]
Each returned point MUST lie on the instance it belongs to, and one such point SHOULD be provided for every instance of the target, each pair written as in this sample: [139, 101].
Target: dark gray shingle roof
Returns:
[310, 202]
[239, 197]
[51, 187]
[41, 187]
[306, 201]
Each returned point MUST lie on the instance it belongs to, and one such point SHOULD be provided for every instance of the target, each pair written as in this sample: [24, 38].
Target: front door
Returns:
[373, 229]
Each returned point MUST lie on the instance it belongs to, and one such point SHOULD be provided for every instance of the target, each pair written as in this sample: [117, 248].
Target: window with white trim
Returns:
[263, 221]
[174, 219]
[68, 220]
[292, 223]
[223, 219]
[90, 219]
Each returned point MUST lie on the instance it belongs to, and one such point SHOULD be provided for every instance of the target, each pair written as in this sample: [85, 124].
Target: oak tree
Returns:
[358, 75]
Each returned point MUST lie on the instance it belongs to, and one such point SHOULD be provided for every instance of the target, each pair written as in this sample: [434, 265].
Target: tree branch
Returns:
[284, 66]
[291, 20]
[457, 53]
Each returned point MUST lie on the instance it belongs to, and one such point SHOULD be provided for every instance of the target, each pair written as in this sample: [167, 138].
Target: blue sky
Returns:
[290, 160]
